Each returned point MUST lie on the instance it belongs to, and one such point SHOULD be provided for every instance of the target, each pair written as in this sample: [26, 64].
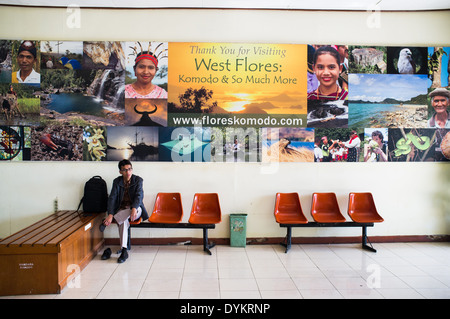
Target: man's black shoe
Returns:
[123, 256]
[106, 254]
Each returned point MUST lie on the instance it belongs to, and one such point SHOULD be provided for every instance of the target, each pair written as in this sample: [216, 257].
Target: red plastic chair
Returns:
[288, 209]
[168, 209]
[325, 208]
[361, 208]
[205, 209]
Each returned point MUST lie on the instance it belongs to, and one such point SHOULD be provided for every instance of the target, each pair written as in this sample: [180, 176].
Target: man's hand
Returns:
[108, 220]
[133, 214]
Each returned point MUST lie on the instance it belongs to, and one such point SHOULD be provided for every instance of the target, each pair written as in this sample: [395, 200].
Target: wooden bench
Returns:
[40, 258]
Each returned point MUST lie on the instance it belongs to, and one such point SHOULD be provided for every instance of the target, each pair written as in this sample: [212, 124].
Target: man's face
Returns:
[440, 103]
[126, 171]
[25, 60]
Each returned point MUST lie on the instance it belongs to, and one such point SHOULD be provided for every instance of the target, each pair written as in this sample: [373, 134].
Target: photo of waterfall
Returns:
[5, 61]
[83, 96]
[91, 92]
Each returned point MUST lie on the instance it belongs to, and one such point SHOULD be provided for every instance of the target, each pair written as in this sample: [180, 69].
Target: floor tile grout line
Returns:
[284, 266]
[253, 273]
[396, 254]
[411, 264]
[182, 275]
[325, 276]
[148, 272]
[106, 282]
[215, 252]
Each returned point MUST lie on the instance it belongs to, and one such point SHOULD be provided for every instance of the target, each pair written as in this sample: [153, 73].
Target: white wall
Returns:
[413, 198]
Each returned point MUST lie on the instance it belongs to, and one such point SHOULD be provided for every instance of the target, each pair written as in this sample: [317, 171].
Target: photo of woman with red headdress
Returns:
[148, 70]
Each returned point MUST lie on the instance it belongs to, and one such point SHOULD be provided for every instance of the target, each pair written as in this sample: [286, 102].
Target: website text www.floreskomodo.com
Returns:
[254, 120]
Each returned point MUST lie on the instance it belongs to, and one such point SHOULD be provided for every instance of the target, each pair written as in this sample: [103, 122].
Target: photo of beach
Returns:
[287, 145]
[388, 100]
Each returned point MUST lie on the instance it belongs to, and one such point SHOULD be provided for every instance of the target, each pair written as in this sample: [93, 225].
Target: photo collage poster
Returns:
[222, 102]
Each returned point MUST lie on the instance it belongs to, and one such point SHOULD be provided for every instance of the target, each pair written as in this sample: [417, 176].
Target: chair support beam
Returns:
[206, 245]
[288, 239]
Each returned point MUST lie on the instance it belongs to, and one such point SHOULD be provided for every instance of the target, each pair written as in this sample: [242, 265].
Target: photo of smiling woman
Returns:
[145, 70]
[327, 67]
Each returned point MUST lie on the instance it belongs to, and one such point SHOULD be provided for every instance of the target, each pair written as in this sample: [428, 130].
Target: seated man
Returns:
[125, 203]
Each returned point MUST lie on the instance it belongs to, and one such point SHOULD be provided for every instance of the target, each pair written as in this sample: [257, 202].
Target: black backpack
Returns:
[95, 198]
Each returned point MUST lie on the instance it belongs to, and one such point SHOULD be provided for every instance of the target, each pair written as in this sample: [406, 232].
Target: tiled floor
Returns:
[397, 270]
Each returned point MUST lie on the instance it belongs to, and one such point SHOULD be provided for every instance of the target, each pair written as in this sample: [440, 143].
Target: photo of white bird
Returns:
[406, 63]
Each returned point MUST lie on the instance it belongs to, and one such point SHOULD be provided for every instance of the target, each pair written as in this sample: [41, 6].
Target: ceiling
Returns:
[329, 5]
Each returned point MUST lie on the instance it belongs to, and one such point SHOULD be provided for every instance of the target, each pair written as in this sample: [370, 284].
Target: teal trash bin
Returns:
[238, 230]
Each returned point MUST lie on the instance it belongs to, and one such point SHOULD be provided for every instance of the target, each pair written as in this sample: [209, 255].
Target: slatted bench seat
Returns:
[40, 258]
[326, 213]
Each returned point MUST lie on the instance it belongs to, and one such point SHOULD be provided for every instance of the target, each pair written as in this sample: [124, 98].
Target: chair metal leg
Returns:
[288, 239]
[206, 246]
[129, 239]
[364, 241]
